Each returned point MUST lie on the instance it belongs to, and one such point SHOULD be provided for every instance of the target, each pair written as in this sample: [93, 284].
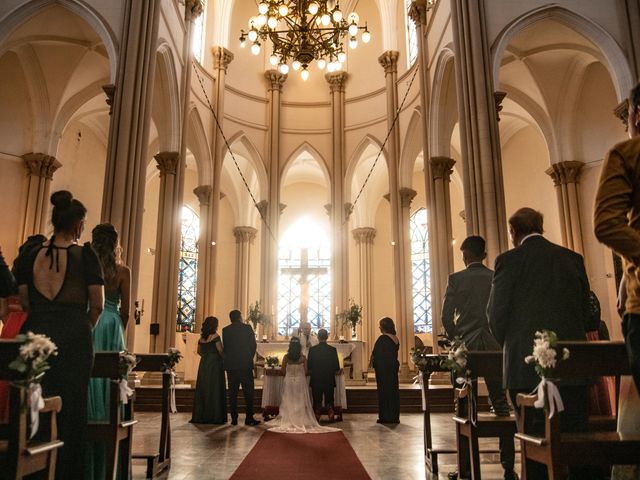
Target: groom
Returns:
[323, 365]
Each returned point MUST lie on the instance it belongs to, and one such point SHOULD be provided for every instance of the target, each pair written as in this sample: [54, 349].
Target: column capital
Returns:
[328, 208]
[40, 165]
[244, 234]
[275, 79]
[622, 112]
[167, 162]
[282, 207]
[263, 208]
[193, 9]
[110, 91]
[337, 81]
[348, 210]
[463, 215]
[418, 12]
[442, 167]
[498, 97]
[364, 235]
[406, 196]
[203, 192]
[221, 58]
[389, 61]
[566, 172]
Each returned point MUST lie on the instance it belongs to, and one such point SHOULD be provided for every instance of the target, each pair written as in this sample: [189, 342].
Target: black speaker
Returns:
[154, 329]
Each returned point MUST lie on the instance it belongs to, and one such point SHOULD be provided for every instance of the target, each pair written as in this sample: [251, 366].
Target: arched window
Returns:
[198, 34]
[188, 270]
[412, 35]
[420, 272]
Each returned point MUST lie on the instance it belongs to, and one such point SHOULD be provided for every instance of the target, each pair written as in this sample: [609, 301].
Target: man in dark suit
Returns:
[323, 365]
[537, 286]
[239, 349]
[464, 315]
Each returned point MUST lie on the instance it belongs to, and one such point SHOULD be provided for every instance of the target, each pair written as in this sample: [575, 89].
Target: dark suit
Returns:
[323, 364]
[540, 286]
[466, 298]
[239, 349]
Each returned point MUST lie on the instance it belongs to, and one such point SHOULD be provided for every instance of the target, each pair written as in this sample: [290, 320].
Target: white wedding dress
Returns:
[296, 411]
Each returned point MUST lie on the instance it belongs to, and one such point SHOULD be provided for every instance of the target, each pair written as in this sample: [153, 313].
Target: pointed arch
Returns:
[411, 149]
[441, 122]
[367, 141]
[305, 147]
[166, 77]
[254, 158]
[615, 60]
[199, 146]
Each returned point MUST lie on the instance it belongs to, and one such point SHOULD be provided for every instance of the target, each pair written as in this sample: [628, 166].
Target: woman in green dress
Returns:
[210, 402]
[108, 336]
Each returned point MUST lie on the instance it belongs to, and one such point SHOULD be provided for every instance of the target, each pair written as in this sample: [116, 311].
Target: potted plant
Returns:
[256, 317]
[352, 316]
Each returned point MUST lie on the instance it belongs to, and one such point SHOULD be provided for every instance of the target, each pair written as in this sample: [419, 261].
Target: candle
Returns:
[341, 338]
[336, 309]
[273, 312]
[264, 338]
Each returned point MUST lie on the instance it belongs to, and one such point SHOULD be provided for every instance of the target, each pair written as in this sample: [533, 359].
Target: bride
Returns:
[296, 412]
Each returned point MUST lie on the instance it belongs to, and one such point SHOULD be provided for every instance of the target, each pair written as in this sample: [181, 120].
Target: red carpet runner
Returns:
[279, 456]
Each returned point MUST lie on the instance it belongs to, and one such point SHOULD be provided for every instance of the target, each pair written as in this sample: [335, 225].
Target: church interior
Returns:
[238, 180]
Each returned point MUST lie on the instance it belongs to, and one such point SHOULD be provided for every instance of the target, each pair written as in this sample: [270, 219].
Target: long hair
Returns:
[104, 240]
[387, 326]
[295, 349]
[209, 327]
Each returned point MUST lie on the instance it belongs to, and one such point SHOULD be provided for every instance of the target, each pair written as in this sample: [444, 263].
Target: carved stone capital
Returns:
[498, 97]
[563, 173]
[418, 12]
[203, 192]
[442, 167]
[110, 91]
[389, 61]
[282, 207]
[622, 112]
[328, 208]
[40, 165]
[193, 9]
[275, 79]
[263, 208]
[337, 81]
[244, 234]
[348, 210]
[387, 197]
[221, 58]
[364, 235]
[167, 162]
[406, 196]
[463, 215]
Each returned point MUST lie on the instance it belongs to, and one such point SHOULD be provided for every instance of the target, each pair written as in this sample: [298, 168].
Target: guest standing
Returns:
[60, 286]
[239, 348]
[323, 365]
[108, 336]
[210, 401]
[384, 359]
[7, 282]
[539, 285]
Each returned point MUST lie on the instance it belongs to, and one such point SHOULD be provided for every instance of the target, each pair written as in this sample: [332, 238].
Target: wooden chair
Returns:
[20, 456]
[559, 450]
[118, 430]
[160, 459]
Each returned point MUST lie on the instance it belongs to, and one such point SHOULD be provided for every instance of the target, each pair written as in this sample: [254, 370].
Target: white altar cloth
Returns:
[279, 349]
[273, 383]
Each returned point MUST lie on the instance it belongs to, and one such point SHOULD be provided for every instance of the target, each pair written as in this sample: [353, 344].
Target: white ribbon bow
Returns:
[125, 391]
[36, 403]
[555, 400]
[419, 379]
[172, 389]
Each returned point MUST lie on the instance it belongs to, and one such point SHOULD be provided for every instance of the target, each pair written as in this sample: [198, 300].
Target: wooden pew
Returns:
[20, 456]
[558, 450]
[157, 460]
[119, 428]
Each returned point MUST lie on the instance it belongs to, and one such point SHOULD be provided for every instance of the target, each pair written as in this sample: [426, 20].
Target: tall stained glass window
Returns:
[188, 270]
[198, 34]
[412, 36]
[421, 272]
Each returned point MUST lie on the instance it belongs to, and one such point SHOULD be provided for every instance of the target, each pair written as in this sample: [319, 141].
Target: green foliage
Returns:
[352, 316]
[272, 361]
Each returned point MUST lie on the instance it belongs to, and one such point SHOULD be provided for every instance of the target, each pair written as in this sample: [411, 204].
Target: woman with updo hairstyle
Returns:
[108, 336]
[61, 288]
[384, 360]
[210, 400]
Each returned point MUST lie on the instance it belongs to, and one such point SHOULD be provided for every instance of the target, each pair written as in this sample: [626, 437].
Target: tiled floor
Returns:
[387, 452]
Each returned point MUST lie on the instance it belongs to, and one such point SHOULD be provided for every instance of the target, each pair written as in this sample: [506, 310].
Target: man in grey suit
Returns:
[537, 286]
[464, 315]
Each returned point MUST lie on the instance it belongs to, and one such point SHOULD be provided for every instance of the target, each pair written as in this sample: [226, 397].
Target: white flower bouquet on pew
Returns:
[456, 361]
[126, 363]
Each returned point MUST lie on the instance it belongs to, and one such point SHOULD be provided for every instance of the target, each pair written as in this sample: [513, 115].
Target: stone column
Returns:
[40, 169]
[272, 208]
[369, 329]
[203, 192]
[481, 154]
[244, 240]
[565, 177]
[339, 228]
[389, 61]
[167, 251]
[406, 324]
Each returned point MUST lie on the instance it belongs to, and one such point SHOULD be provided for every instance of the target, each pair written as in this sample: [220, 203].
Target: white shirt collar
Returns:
[529, 236]
[474, 263]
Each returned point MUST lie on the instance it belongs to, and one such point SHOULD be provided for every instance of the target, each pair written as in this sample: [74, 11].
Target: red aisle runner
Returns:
[279, 456]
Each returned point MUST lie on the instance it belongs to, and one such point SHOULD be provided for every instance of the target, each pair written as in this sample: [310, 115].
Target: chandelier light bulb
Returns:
[353, 42]
[243, 43]
[337, 16]
[296, 65]
[272, 22]
[274, 60]
[331, 67]
[353, 29]
[342, 57]
[325, 19]
[283, 10]
[284, 68]
[253, 35]
[366, 36]
[313, 8]
[338, 66]
[261, 20]
[317, 20]
[322, 63]
[255, 49]
[263, 8]
[304, 74]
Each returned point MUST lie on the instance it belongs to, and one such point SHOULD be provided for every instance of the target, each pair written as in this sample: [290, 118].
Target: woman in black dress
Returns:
[60, 286]
[384, 359]
[210, 401]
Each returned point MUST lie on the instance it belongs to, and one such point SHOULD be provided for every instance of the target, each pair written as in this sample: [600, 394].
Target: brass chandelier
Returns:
[302, 31]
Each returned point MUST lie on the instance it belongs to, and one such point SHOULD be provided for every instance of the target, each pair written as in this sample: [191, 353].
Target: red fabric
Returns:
[301, 456]
[12, 325]
[602, 390]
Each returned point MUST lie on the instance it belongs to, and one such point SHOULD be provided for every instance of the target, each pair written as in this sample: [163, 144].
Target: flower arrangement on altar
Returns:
[456, 361]
[255, 315]
[352, 316]
[174, 356]
[272, 361]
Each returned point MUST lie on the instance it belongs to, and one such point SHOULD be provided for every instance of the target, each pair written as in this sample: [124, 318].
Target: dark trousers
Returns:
[574, 418]
[631, 332]
[235, 378]
[318, 393]
[498, 399]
